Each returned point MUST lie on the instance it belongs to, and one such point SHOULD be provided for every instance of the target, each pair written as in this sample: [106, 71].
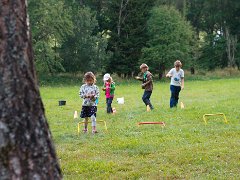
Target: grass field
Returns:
[185, 149]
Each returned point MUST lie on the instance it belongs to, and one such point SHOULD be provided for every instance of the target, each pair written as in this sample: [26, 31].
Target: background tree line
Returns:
[117, 35]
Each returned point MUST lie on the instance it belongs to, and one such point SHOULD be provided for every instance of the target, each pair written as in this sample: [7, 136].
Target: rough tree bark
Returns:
[26, 149]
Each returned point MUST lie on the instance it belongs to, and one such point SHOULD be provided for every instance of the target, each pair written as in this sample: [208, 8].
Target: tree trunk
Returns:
[192, 70]
[231, 47]
[161, 71]
[26, 149]
[122, 8]
[238, 65]
[119, 19]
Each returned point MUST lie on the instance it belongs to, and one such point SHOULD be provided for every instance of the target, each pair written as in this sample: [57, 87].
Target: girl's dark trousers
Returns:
[109, 104]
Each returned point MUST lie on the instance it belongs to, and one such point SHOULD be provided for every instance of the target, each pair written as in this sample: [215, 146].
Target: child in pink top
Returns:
[109, 88]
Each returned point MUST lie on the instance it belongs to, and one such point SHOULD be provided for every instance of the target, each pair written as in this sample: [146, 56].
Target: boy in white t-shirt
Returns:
[177, 82]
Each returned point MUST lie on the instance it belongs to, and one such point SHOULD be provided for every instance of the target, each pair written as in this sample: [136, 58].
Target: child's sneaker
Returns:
[94, 131]
[85, 130]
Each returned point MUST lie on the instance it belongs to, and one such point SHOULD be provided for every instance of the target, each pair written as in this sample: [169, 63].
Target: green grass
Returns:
[185, 149]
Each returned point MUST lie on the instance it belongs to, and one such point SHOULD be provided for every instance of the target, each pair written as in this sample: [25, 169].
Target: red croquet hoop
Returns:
[142, 123]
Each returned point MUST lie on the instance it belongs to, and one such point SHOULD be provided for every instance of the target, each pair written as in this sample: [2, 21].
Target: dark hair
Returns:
[89, 75]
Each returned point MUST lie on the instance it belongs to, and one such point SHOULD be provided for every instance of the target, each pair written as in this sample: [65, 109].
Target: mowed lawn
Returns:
[185, 149]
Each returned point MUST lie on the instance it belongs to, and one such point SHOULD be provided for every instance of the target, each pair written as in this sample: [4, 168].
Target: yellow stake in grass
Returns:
[148, 108]
[218, 114]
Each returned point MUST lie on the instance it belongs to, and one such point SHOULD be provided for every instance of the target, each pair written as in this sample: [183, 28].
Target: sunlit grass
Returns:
[185, 149]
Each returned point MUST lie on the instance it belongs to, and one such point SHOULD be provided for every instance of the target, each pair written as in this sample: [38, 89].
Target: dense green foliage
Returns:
[185, 149]
[83, 50]
[220, 20]
[50, 25]
[127, 25]
[170, 38]
[117, 35]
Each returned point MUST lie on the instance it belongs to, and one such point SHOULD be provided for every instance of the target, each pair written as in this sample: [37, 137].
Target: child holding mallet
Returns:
[89, 92]
[147, 85]
[177, 82]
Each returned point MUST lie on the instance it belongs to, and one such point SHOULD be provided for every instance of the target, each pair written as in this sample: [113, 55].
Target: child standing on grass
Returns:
[147, 85]
[109, 88]
[177, 82]
[90, 93]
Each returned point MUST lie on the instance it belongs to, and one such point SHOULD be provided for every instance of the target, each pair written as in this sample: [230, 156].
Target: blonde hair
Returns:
[144, 66]
[89, 75]
[177, 63]
[111, 79]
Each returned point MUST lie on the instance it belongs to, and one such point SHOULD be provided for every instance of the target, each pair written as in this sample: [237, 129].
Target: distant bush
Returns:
[63, 79]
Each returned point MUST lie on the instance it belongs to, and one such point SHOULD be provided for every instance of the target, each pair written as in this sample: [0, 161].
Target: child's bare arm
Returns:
[182, 84]
[169, 75]
[138, 78]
